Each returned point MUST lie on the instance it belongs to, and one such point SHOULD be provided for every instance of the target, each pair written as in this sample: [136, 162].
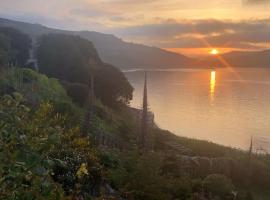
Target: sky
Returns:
[191, 27]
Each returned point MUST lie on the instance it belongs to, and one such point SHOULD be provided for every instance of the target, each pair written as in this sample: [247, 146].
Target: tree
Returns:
[73, 59]
[15, 46]
[90, 108]
[77, 91]
[111, 86]
[66, 57]
[144, 118]
[5, 50]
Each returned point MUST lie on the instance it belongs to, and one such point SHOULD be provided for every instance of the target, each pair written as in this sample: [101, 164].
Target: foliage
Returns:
[40, 156]
[35, 87]
[14, 46]
[26, 141]
[218, 185]
[73, 59]
[112, 87]
[78, 168]
[77, 91]
[260, 174]
[68, 58]
[196, 147]
[140, 177]
[5, 50]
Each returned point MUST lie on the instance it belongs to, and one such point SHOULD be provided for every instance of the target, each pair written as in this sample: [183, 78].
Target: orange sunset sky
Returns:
[190, 27]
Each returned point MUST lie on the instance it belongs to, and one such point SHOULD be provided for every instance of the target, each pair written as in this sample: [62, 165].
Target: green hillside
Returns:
[44, 153]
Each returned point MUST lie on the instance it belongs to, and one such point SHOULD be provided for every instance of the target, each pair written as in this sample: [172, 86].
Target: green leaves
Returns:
[31, 87]
[72, 59]
[26, 139]
[35, 146]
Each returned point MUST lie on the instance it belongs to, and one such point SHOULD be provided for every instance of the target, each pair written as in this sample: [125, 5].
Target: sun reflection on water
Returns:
[212, 85]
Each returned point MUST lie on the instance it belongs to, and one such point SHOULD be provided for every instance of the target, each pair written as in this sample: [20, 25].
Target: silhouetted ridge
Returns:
[112, 49]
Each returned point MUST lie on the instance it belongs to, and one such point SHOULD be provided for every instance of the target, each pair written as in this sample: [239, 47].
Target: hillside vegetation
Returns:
[14, 46]
[44, 155]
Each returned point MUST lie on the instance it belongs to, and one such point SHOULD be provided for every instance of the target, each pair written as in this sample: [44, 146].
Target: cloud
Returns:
[198, 33]
[88, 12]
[256, 1]
[168, 24]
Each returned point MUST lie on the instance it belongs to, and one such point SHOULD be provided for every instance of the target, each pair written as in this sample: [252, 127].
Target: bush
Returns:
[40, 156]
[218, 185]
[35, 87]
[77, 91]
[26, 140]
[78, 168]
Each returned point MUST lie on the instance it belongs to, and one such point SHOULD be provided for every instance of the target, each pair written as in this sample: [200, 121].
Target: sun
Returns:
[214, 52]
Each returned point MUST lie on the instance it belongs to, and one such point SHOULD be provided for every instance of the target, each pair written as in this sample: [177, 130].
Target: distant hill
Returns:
[112, 49]
[238, 59]
[249, 59]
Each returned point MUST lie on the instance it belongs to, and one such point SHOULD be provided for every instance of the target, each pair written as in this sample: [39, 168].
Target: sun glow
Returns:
[212, 85]
[214, 52]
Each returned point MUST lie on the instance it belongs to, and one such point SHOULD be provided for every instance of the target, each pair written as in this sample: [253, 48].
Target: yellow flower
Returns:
[81, 142]
[82, 171]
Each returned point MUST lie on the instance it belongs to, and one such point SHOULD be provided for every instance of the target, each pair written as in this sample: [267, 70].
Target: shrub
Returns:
[218, 185]
[26, 140]
[33, 86]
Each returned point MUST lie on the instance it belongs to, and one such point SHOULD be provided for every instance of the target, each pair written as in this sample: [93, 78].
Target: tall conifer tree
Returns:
[144, 116]
[90, 108]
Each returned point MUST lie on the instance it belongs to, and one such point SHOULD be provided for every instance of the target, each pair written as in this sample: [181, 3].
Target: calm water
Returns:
[222, 106]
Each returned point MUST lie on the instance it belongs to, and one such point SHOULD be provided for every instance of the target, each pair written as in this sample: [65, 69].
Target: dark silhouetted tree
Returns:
[90, 108]
[111, 86]
[74, 59]
[144, 118]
